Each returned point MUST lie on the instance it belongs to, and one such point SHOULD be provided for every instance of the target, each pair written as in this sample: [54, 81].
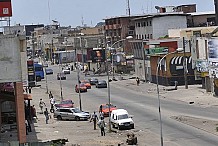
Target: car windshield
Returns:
[120, 117]
[82, 85]
[106, 106]
[94, 79]
[67, 102]
[102, 82]
[85, 81]
[76, 110]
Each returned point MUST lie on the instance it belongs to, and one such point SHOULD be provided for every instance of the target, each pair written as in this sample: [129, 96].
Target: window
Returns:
[139, 24]
[142, 36]
[144, 23]
[147, 23]
[151, 37]
[145, 36]
[150, 23]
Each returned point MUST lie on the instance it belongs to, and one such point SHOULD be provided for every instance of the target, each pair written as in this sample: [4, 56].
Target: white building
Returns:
[154, 26]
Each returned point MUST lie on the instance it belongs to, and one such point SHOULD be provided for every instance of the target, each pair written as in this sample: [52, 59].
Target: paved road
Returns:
[144, 108]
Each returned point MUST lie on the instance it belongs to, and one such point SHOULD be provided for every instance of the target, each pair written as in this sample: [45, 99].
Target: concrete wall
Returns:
[162, 24]
[10, 59]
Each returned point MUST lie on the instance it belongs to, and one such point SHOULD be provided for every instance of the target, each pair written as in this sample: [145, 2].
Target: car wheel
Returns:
[113, 126]
[132, 127]
[77, 118]
[59, 117]
[118, 127]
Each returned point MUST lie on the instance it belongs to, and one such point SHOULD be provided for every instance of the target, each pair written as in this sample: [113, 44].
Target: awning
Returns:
[179, 60]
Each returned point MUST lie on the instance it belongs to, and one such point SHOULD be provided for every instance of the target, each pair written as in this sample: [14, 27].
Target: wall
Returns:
[10, 59]
[162, 24]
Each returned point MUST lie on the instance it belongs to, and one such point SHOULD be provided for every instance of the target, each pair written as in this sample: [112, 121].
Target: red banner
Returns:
[5, 8]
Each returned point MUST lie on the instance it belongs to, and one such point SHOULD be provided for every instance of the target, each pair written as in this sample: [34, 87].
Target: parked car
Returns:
[93, 81]
[61, 76]
[105, 109]
[82, 88]
[48, 71]
[65, 104]
[71, 114]
[66, 70]
[87, 83]
[7, 87]
[101, 84]
[120, 119]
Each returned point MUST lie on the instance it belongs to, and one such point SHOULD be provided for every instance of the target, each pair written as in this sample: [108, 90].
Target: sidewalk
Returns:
[193, 95]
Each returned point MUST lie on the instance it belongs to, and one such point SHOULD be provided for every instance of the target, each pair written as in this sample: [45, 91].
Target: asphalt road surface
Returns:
[144, 109]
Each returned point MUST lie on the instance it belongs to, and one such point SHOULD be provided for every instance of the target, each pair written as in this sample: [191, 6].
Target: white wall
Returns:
[161, 25]
[10, 59]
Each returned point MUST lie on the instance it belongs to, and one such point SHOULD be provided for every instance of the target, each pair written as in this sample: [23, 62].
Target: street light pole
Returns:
[158, 92]
[60, 81]
[108, 78]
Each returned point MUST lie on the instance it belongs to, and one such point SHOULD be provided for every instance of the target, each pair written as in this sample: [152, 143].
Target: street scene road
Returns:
[182, 122]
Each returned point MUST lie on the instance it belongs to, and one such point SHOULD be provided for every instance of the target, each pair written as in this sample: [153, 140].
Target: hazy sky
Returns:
[71, 12]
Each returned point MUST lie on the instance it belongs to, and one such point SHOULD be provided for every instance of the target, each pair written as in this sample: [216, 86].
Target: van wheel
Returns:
[77, 118]
[59, 118]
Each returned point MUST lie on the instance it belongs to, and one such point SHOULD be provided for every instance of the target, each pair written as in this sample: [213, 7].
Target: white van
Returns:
[120, 119]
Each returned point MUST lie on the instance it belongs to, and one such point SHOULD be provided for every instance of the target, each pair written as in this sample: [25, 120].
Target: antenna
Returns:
[128, 8]
[82, 21]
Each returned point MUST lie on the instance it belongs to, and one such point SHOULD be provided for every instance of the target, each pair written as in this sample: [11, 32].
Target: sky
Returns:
[74, 12]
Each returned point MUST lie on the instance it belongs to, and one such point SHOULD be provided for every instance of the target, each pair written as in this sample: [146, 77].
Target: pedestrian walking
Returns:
[41, 105]
[93, 70]
[52, 102]
[46, 115]
[101, 125]
[50, 95]
[137, 81]
[94, 118]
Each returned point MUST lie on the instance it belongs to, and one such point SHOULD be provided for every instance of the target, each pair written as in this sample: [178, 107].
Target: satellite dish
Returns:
[157, 7]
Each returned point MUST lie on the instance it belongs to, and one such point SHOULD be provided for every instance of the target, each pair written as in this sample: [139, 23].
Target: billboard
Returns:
[213, 50]
[5, 8]
[98, 55]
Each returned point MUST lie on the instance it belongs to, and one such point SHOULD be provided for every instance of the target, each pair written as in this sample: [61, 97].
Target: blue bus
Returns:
[39, 72]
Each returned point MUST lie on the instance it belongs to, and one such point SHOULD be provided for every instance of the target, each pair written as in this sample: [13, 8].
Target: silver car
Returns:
[70, 114]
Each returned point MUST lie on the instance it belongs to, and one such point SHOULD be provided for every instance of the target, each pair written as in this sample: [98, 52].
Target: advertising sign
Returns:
[5, 8]
[98, 55]
[213, 50]
[160, 50]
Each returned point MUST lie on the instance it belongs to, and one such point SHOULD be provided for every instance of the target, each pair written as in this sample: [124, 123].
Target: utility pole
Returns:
[185, 63]
[143, 57]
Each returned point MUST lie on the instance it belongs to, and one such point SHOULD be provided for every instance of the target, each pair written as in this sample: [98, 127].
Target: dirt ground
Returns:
[203, 124]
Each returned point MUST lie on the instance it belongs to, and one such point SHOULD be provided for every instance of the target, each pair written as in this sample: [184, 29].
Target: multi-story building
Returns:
[13, 73]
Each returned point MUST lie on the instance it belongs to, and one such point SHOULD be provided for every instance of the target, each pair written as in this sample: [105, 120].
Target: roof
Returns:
[161, 15]
[120, 111]
[202, 13]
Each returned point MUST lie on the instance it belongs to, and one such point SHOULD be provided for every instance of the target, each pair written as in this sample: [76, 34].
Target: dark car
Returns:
[65, 104]
[93, 81]
[48, 71]
[61, 76]
[101, 84]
